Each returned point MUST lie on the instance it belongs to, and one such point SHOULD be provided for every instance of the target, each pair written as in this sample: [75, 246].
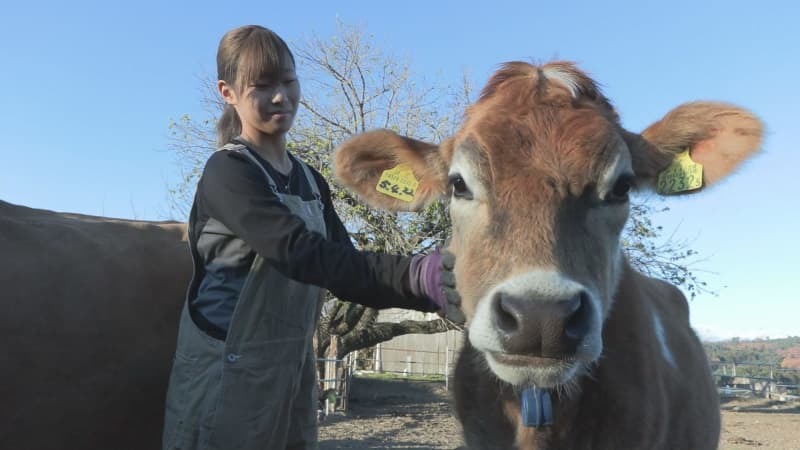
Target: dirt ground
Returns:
[416, 415]
[760, 423]
[393, 414]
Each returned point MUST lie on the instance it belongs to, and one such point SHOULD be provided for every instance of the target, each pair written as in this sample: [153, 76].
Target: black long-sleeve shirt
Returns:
[235, 215]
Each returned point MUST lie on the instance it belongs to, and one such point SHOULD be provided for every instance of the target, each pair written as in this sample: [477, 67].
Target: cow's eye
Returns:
[622, 187]
[460, 189]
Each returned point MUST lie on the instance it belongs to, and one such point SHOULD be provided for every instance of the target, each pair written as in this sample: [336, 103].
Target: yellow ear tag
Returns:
[682, 175]
[398, 182]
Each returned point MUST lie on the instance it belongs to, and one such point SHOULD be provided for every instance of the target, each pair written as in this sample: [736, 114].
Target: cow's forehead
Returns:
[564, 144]
[551, 118]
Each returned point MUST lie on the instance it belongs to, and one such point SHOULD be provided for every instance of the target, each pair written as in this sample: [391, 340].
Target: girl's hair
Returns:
[247, 54]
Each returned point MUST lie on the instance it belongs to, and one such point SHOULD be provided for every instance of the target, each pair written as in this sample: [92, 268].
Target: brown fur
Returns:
[721, 136]
[90, 312]
[383, 150]
[544, 150]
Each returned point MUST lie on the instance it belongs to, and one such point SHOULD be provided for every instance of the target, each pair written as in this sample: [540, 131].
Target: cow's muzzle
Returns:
[541, 328]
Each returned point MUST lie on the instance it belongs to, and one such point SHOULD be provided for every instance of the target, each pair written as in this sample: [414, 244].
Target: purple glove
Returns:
[425, 278]
[431, 276]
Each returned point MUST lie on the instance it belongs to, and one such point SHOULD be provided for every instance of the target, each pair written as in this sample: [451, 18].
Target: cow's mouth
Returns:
[525, 370]
[525, 360]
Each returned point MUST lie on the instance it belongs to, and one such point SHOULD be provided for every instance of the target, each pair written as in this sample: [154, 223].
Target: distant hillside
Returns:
[782, 352]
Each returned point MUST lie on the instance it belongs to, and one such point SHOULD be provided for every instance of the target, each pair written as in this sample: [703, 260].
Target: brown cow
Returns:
[539, 175]
[89, 320]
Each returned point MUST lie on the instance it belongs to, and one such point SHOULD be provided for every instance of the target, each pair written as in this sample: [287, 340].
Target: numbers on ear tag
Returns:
[398, 182]
[683, 174]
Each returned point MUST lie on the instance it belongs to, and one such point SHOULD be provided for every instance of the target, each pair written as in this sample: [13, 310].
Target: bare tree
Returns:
[191, 141]
[653, 254]
[351, 87]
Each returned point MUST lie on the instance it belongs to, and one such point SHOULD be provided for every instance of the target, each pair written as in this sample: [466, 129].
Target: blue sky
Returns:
[90, 87]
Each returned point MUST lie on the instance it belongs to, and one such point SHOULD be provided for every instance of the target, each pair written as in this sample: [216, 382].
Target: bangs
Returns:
[264, 56]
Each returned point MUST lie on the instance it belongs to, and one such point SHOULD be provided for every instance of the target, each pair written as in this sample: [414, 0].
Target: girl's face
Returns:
[267, 105]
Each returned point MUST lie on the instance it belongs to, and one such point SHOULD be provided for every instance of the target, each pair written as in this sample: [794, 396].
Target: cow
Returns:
[567, 346]
[90, 309]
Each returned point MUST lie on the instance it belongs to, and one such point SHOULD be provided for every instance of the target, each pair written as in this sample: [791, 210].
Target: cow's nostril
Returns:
[577, 325]
[506, 314]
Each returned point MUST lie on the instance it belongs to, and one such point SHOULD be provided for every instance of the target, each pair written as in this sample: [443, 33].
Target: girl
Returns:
[265, 241]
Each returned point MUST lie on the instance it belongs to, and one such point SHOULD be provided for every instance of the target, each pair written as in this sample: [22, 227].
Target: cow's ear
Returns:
[694, 146]
[393, 172]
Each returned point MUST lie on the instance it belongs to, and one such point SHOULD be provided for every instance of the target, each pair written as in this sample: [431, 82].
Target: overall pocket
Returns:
[257, 387]
[180, 419]
[194, 378]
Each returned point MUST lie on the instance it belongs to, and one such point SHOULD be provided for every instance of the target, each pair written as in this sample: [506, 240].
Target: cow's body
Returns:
[90, 308]
[539, 176]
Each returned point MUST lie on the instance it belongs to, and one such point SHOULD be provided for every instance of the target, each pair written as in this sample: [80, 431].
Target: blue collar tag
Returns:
[537, 408]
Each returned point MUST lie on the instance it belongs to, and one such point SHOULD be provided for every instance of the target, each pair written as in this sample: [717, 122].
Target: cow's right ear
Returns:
[393, 172]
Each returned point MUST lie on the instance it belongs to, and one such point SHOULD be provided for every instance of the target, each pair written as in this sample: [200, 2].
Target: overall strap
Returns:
[243, 150]
[312, 181]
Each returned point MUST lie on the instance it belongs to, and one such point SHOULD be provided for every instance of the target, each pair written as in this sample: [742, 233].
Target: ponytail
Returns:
[228, 126]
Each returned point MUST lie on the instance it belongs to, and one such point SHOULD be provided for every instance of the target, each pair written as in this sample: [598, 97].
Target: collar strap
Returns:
[537, 407]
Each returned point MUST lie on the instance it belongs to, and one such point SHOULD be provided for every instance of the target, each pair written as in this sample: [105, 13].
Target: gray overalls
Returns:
[257, 389]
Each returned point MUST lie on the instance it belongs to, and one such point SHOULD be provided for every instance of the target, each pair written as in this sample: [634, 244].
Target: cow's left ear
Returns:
[393, 172]
[717, 136]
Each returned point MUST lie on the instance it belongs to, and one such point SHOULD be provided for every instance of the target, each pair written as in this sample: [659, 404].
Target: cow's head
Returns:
[538, 178]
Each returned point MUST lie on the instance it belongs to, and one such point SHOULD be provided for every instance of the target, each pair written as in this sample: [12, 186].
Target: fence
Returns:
[429, 364]
[335, 385]
[402, 357]
[428, 356]
[420, 355]
[768, 380]
[334, 382]
[733, 378]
